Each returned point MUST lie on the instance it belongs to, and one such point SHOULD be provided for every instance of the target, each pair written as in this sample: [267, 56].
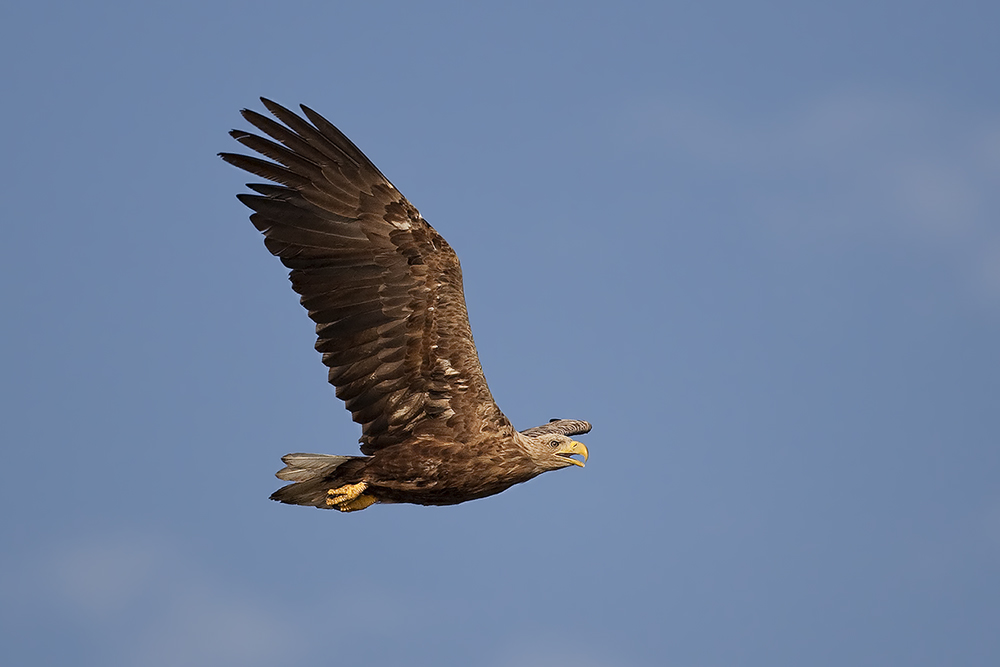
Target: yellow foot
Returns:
[349, 498]
[359, 503]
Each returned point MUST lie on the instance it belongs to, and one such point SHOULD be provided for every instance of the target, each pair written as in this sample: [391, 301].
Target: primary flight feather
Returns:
[385, 291]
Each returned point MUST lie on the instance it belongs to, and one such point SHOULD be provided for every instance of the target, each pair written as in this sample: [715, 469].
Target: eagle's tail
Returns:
[313, 475]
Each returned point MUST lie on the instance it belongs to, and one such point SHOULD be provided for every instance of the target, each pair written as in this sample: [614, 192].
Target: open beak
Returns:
[573, 447]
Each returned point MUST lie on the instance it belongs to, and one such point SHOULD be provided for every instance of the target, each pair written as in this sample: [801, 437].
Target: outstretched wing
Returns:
[561, 426]
[383, 287]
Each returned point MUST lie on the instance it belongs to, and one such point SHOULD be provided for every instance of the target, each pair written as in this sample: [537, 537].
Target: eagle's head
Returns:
[552, 451]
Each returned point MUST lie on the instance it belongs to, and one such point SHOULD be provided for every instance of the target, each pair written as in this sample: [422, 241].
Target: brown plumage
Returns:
[385, 291]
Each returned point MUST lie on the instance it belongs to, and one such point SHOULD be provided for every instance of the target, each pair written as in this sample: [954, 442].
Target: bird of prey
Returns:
[385, 291]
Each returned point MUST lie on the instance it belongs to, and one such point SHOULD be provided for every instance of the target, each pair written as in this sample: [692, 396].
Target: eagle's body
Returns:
[385, 291]
[424, 472]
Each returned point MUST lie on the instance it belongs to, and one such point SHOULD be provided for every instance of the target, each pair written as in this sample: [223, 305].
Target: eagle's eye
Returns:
[554, 443]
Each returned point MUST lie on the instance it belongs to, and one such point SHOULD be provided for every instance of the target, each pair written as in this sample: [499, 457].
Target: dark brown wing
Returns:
[383, 287]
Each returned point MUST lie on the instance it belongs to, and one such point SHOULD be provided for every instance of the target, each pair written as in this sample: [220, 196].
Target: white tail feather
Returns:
[302, 467]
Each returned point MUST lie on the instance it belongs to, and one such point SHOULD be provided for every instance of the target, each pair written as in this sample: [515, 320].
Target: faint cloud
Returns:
[100, 578]
[142, 601]
[206, 625]
[988, 266]
[944, 562]
[989, 524]
[545, 653]
[553, 658]
[852, 165]
[937, 198]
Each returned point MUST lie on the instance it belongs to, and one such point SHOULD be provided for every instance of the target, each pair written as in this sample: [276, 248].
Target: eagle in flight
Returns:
[385, 291]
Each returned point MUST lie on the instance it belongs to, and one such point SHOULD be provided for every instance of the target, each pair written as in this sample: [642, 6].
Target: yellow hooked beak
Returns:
[573, 447]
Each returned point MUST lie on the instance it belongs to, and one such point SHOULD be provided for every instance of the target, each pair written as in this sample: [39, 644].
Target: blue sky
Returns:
[756, 244]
